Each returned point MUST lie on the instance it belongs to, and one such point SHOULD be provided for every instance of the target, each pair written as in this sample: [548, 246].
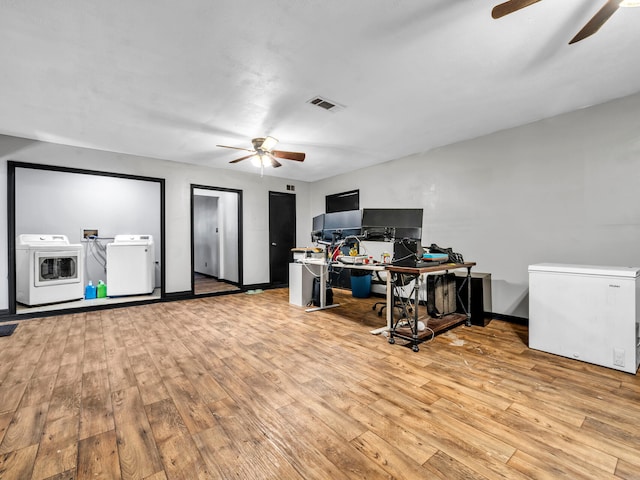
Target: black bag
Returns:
[453, 256]
[441, 294]
[316, 293]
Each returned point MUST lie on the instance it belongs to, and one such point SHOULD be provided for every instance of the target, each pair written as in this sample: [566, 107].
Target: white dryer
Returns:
[130, 265]
[49, 269]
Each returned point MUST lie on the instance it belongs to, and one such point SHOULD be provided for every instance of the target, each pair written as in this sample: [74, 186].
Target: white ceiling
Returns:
[171, 79]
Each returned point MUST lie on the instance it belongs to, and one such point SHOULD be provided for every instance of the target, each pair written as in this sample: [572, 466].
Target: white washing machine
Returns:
[130, 265]
[49, 269]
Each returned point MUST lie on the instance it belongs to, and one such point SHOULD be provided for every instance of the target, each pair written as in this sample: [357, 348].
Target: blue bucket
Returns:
[361, 285]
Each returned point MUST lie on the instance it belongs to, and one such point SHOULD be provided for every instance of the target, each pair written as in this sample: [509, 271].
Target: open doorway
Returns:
[216, 240]
[58, 246]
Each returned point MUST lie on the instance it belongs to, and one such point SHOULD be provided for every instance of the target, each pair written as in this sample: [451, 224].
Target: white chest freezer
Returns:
[130, 265]
[588, 313]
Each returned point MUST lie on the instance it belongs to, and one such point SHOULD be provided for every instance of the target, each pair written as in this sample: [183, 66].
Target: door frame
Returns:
[195, 187]
[12, 166]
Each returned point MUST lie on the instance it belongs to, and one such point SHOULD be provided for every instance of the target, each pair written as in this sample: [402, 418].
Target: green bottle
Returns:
[102, 289]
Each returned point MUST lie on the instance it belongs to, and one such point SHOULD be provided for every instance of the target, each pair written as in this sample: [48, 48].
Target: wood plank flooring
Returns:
[251, 387]
[205, 284]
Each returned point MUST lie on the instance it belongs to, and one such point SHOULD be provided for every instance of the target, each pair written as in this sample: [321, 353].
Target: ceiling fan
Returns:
[264, 155]
[592, 26]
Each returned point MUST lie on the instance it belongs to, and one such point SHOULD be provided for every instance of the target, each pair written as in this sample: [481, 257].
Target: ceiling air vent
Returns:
[325, 104]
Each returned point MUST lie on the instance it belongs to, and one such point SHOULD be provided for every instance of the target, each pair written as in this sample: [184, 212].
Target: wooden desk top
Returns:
[442, 267]
[436, 268]
[374, 267]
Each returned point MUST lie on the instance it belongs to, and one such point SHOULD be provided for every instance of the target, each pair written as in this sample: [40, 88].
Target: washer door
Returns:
[55, 268]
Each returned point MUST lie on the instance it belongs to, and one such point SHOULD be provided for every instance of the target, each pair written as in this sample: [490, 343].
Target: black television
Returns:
[392, 223]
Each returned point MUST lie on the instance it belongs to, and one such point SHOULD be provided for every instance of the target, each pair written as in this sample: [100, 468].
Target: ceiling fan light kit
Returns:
[260, 161]
[592, 26]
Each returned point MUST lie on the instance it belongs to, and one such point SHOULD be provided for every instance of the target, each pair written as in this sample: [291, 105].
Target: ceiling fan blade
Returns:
[242, 158]
[235, 148]
[597, 20]
[511, 6]
[297, 156]
[274, 162]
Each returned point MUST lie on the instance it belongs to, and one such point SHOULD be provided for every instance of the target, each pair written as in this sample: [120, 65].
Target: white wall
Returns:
[559, 190]
[179, 178]
[206, 250]
[228, 226]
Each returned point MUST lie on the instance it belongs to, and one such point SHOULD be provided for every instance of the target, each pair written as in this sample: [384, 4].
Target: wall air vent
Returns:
[325, 104]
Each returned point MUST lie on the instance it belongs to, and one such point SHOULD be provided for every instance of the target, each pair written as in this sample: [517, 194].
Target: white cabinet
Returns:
[301, 282]
[587, 313]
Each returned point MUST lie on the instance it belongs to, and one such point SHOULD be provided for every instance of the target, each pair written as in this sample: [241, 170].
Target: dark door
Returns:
[282, 235]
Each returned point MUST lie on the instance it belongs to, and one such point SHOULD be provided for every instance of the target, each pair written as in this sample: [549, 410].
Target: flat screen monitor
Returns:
[339, 225]
[390, 223]
[318, 222]
[317, 227]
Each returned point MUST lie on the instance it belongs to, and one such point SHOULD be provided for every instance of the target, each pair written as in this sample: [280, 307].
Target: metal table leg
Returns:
[416, 304]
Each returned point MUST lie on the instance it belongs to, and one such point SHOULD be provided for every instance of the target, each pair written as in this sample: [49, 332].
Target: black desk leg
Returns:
[416, 315]
[465, 304]
[391, 310]
[413, 326]
[468, 323]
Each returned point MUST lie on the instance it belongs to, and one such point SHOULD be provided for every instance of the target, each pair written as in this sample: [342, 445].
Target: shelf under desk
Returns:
[411, 332]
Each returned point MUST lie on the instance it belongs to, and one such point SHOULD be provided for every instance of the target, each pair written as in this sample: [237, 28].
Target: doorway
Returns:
[108, 203]
[282, 236]
[216, 240]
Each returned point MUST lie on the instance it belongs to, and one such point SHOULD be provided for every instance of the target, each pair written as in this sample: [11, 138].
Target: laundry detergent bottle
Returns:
[90, 291]
[102, 289]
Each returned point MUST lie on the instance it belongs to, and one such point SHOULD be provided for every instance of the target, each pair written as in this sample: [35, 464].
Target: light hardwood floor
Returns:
[204, 284]
[250, 387]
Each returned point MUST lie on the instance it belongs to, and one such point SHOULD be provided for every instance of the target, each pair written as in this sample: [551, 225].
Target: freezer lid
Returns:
[132, 240]
[629, 272]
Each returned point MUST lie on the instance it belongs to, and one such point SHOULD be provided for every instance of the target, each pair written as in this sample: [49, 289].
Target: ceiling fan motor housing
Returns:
[257, 143]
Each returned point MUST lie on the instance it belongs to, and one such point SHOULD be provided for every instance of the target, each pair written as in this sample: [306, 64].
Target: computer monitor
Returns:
[339, 225]
[317, 228]
[390, 223]
[318, 222]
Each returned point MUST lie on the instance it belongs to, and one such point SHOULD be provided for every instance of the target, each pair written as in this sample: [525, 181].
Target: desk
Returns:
[371, 267]
[411, 333]
[324, 270]
[391, 325]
